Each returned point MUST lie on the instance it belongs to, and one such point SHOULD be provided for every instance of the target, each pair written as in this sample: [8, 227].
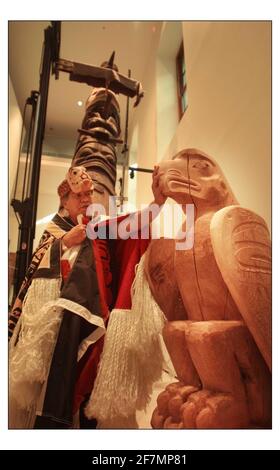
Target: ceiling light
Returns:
[79, 103]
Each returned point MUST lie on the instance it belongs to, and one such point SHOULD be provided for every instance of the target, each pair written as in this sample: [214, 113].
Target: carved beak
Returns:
[173, 182]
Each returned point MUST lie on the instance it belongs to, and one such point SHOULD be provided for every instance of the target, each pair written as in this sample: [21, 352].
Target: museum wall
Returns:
[229, 112]
[15, 125]
[142, 135]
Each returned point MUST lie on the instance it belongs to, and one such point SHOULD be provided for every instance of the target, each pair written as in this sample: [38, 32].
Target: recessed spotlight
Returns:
[79, 103]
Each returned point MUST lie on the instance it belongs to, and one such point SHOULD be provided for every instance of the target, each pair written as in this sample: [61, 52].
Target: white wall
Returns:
[229, 114]
[133, 158]
[53, 171]
[145, 118]
[166, 84]
[15, 125]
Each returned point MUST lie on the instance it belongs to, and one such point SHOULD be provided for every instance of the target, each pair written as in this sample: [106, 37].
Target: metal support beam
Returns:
[26, 208]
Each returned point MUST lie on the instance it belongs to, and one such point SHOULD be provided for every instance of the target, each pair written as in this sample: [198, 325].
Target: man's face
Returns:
[77, 203]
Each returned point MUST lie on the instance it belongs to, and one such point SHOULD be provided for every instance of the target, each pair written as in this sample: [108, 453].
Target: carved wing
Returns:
[159, 270]
[242, 248]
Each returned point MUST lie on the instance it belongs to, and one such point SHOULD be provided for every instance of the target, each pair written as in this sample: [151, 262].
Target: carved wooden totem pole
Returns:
[217, 299]
[96, 146]
[100, 131]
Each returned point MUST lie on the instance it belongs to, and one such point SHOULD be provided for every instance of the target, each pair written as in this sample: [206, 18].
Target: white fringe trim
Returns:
[32, 347]
[81, 311]
[132, 358]
[92, 338]
[34, 339]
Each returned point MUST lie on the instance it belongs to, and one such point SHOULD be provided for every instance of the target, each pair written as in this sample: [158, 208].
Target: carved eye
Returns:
[201, 165]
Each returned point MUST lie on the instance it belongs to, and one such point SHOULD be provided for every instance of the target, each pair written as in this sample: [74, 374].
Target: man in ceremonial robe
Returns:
[60, 315]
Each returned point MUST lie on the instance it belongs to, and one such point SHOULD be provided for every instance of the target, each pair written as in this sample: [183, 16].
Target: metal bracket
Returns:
[133, 169]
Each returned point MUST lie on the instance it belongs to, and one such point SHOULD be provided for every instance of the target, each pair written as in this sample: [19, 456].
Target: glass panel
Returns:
[182, 104]
[184, 80]
[184, 101]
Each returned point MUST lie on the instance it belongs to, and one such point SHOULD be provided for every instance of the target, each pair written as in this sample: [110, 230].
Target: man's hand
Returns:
[75, 236]
[158, 195]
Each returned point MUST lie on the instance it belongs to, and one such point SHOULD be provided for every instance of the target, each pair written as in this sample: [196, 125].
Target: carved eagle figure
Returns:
[222, 283]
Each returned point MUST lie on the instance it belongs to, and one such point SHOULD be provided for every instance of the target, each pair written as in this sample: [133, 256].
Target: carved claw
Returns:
[183, 406]
[169, 403]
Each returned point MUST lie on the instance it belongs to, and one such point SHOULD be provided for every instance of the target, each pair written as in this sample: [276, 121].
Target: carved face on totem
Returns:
[194, 177]
[96, 147]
